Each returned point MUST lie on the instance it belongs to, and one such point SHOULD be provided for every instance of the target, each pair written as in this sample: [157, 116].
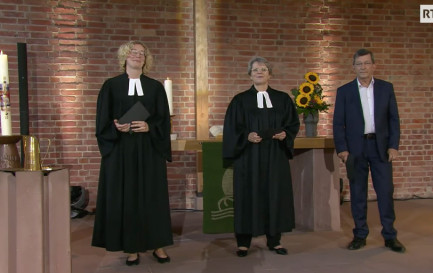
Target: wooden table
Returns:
[300, 143]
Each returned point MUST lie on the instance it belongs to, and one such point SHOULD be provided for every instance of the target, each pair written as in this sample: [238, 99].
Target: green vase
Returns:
[311, 121]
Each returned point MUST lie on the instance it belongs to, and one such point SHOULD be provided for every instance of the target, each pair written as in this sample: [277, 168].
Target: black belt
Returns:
[370, 136]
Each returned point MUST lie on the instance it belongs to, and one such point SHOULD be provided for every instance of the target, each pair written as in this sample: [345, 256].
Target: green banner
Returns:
[217, 191]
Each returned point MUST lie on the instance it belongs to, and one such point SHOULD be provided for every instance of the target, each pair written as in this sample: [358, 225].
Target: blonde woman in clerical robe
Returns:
[132, 210]
[260, 127]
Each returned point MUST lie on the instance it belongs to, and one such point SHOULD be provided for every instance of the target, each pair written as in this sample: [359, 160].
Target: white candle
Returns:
[168, 85]
[5, 96]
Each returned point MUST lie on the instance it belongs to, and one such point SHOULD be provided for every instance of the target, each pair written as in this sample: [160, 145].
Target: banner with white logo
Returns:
[426, 13]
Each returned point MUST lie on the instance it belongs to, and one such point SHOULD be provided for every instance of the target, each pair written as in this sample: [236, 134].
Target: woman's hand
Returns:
[254, 137]
[139, 127]
[122, 127]
[280, 136]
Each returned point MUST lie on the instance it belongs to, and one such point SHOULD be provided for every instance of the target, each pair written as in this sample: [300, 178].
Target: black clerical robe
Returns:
[132, 210]
[263, 195]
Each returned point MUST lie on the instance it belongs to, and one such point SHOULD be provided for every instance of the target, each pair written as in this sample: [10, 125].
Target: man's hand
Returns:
[343, 156]
[392, 154]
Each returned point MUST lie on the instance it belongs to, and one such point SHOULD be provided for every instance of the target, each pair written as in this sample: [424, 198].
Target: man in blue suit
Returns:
[366, 134]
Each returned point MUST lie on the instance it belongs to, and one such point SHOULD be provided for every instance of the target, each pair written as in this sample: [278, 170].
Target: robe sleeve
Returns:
[290, 126]
[235, 133]
[159, 123]
[106, 132]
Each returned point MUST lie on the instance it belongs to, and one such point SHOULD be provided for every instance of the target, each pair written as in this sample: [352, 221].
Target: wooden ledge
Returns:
[300, 143]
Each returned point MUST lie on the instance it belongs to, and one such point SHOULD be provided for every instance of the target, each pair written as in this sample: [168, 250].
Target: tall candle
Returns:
[6, 124]
[168, 85]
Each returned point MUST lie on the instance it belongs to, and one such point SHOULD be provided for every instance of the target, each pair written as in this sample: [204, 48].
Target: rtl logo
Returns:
[426, 13]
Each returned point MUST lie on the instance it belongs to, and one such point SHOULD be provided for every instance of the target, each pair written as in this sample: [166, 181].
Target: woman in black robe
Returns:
[132, 210]
[260, 127]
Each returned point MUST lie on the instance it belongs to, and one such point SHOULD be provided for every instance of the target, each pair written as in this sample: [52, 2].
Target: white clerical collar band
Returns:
[260, 95]
[135, 83]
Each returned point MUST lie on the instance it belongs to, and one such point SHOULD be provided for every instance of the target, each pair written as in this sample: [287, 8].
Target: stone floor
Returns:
[320, 251]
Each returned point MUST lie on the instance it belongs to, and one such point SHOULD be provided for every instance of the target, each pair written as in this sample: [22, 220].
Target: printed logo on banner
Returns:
[426, 13]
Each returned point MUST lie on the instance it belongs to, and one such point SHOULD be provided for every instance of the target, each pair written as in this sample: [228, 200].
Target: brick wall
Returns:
[72, 47]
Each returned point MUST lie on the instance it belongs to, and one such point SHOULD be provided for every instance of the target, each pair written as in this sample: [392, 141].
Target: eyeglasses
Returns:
[263, 69]
[361, 64]
[137, 53]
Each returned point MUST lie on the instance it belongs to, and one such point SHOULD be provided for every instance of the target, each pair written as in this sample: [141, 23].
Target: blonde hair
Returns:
[125, 50]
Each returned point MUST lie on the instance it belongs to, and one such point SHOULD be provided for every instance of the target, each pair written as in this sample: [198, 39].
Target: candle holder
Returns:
[30, 153]
[9, 156]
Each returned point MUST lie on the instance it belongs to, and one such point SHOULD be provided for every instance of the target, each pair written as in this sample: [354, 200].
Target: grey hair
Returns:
[261, 60]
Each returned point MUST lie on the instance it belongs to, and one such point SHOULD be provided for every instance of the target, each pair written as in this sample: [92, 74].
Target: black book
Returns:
[136, 113]
[269, 133]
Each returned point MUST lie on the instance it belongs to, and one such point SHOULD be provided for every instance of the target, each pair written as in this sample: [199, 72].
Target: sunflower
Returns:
[306, 88]
[303, 100]
[312, 77]
[318, 99]
[308, 96]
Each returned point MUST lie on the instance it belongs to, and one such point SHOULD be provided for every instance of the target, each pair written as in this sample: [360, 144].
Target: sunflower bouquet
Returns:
[308, 97]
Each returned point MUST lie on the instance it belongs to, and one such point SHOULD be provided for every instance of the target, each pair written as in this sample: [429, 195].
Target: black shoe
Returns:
[395, 245]
[280, 250]
[242, 253]
[161, 260]
[133, 262]
[357, 243]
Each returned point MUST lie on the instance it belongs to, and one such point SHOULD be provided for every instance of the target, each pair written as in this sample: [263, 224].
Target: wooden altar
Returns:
[35, 226]
[315, 175]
